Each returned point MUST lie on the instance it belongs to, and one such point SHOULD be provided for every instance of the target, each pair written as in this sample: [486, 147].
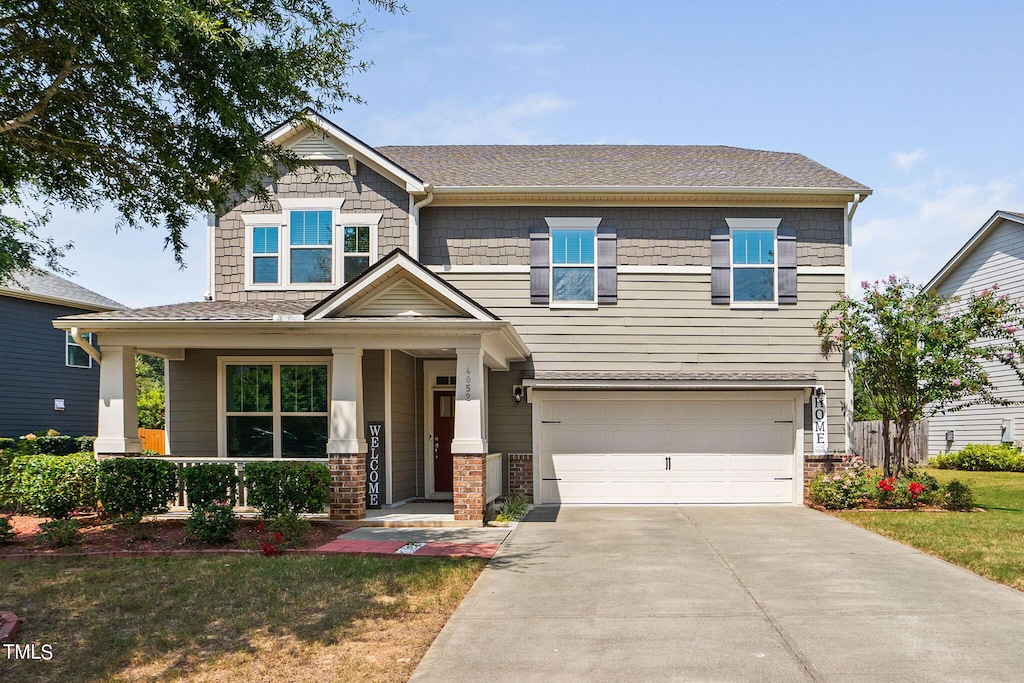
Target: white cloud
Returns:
[455, 122]
[913, 230]
[539, 48]
[904, 160]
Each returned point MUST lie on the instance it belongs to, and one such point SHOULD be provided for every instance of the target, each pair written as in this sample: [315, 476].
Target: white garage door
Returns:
[658, 448]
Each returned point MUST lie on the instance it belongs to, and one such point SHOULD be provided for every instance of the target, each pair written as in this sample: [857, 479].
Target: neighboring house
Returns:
[606, 323]
[46, 380]
[993, 255]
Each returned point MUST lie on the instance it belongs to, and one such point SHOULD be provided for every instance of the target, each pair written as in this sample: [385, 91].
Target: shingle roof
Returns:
[205, 310]
[45, 284]
[689, 166]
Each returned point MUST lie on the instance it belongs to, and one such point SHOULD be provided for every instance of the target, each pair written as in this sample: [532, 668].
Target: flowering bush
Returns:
[841, 491]
[212, 523]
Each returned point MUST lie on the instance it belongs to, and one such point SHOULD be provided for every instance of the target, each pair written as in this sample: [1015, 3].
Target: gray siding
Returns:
[646, 236]
[33, 372]
[406, 460]
[661, 323]
[997, 259]
[368, 191]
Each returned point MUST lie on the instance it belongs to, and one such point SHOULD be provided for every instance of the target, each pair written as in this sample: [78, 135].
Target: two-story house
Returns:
[47, 381]
[609, 323]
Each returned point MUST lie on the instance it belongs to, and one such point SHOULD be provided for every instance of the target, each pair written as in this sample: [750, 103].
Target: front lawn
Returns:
[230, 618]
[990, 543]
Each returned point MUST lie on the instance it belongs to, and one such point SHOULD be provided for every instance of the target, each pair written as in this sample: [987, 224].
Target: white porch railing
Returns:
[240, 496]
[494, 479]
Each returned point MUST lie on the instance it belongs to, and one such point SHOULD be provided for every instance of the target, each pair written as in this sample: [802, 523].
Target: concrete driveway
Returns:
[722, 594]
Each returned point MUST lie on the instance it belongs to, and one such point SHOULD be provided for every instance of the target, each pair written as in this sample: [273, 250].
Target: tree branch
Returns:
[44, 101]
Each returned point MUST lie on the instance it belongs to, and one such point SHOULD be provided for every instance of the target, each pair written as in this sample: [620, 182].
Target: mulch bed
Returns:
[100, 535]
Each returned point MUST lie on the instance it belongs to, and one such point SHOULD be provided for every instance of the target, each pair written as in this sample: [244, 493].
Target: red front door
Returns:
[444, 432]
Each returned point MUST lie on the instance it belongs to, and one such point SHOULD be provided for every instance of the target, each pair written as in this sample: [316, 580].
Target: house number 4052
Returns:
[469, 383]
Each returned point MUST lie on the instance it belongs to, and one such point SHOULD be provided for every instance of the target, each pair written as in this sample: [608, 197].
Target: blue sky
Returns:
[919, 101]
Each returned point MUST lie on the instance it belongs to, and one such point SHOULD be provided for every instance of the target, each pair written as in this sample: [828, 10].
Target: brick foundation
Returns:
[348, 485]
[827, 464]
[520, 475]
[469, 484]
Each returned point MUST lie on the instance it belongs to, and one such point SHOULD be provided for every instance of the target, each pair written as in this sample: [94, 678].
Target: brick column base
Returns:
[469, 486]
[520, 475]
[827, 464]
[348, 485]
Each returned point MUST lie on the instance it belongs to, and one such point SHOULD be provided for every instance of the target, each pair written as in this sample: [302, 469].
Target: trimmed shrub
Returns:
[213, 523]
[6, 529]
[7, 501]
[7, 443]
[977, 457]
[208, 483]
[50, 442]
[134, 487]
[279, 487]
[957, 495]
[59, 532]
[54, 485]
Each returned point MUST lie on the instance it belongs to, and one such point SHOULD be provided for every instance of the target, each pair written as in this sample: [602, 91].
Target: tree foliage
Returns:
[150, 392]
[916, 353]
[159, 106]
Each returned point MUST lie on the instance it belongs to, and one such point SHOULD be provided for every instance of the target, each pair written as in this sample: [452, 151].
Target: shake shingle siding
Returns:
[646, 236]
[366, 192]
[33, 373]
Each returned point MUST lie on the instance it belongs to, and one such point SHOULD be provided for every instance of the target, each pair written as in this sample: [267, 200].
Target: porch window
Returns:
[276, 410]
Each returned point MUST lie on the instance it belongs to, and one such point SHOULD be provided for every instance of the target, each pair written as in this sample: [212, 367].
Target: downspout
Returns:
[211, 224]
[847, 286]
[414, 221]
[93, 352]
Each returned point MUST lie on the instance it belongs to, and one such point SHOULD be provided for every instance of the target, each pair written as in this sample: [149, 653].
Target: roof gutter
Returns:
[861, 192]
[414, 221]
[857, 199]
[93, 352]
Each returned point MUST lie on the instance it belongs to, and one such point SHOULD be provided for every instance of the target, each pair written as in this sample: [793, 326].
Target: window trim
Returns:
[746, 224]
[555, 225]
[276, 362]
[282, 220]
[69, 342]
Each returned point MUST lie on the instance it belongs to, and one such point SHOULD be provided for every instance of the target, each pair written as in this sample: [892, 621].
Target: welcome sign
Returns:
[374, 451]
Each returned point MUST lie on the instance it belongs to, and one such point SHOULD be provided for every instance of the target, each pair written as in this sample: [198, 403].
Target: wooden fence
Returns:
[153, 440]
[866, 441]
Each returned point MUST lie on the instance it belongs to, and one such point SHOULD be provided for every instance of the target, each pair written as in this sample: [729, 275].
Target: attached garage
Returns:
[619, 447]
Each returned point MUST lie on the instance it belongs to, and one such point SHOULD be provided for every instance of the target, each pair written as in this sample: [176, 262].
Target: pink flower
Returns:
[1008, 355]
[864, 284]
[1009, 328]
[955, 382]
[837, 337]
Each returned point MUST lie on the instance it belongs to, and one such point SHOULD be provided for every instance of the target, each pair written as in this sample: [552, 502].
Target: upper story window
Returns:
[753, 266]
[265, 255]
[573, 265]
[74, 355]
[311, 244]
[356, 256]
[310, 238]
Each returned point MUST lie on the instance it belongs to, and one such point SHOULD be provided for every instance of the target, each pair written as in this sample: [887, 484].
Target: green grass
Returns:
[989, 543]
[230, 618]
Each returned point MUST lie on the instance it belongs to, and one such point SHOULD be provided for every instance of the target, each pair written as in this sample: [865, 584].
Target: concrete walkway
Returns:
[722, 594]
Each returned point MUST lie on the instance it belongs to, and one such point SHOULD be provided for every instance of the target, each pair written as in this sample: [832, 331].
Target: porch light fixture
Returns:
[517, 393]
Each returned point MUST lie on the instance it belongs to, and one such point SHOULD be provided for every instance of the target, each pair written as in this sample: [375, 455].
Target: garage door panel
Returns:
[612, 449]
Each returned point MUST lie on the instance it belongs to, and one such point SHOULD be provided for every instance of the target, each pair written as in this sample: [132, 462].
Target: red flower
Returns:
[278, 537]
[915, 489]
[259, 527]
[269, 549]
[887, 484]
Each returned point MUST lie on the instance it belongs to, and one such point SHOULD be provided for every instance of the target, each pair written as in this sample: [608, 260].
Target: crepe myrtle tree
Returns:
[918, 353]
[157, 106]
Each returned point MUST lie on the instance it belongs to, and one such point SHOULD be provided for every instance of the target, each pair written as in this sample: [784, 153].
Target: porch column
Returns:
[469, 447]
[346, 447]
[117, 432]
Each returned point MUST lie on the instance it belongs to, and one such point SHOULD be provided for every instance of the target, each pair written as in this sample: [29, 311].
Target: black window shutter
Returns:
[607, 266]
[540, 275]
[786, 237]
[720, 285]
